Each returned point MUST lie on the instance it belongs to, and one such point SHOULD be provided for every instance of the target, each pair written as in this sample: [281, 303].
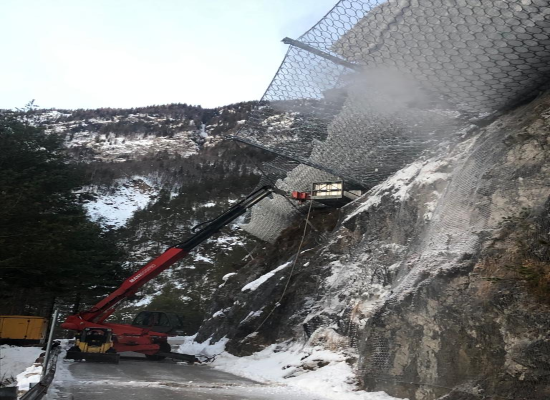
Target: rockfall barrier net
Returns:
[361, 95]
[375, 83]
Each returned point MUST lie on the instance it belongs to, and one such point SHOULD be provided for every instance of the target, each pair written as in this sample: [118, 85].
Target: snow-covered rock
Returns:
[423, 282]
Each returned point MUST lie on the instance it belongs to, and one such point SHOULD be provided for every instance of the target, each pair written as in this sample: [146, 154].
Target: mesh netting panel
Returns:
[297, 106]
[480, 55]
[388, 279]
[272, 215]
[486, 187]
[409, 72]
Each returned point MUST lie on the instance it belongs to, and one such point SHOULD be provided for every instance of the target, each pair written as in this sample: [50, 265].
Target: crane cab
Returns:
[159, 321]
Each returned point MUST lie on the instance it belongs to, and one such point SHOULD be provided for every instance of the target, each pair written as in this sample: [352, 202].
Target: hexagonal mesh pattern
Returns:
[411, 73]
[479, 55]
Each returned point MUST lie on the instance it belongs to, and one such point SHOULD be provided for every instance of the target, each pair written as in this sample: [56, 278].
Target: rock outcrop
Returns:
[436, 282]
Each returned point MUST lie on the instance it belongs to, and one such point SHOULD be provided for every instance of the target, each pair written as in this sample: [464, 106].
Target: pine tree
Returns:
[48, 247]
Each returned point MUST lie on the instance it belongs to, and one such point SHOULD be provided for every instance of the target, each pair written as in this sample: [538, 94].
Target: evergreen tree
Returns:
[48, 247]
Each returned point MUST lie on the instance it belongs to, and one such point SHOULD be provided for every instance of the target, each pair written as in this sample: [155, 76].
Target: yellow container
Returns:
[22, 328]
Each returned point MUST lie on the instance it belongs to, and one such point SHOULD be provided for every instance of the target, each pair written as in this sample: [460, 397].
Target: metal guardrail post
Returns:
[39, 390]
[49, 345]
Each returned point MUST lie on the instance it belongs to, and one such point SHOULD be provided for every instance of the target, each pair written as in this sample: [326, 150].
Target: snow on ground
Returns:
[258, 282]
[185, 381]
[145, 301]
[252, 315]
[226, 277]
[31, 375]
[200, 258]
[14, 360]
[117, 207]
[398, 183]
[108, 148]
[62, 376]
[303, 367]
[205, 349]
[421, 173]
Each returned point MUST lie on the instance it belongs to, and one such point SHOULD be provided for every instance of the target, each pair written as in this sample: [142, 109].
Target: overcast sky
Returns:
[127, 53]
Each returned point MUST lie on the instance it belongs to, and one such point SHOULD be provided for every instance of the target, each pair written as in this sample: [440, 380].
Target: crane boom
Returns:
[95, 316]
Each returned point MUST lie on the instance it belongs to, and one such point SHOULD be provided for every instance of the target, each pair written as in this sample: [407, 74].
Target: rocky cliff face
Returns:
[435, 283]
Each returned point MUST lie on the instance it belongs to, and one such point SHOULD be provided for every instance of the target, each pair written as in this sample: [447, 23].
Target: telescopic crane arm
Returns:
[102, 310]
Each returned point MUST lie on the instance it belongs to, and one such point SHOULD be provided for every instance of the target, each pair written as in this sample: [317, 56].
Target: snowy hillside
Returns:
[118, 135]
[114, 206]
[150, 175]
[99, 140]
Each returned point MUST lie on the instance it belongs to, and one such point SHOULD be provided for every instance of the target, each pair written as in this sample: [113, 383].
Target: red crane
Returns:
[143, 340]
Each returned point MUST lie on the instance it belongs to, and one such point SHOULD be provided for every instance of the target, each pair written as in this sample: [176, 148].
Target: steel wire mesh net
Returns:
[496, 175]
[484, 187]
[367, 90]
[410, 73]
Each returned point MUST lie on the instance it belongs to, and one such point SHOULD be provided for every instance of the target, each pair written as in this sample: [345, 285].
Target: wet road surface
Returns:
[137, 378]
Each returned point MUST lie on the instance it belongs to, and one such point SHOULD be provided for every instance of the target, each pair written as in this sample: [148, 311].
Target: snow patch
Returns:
[252, 315]
[117, 207]
[200, 258]
[226, 277]
[14, 360]
[252, 286]
[31, 375]
[307, 368]
[398, 186]
[206, 349]
[145, 301]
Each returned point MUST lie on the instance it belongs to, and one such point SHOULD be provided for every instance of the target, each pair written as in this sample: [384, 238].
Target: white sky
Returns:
[127, 53]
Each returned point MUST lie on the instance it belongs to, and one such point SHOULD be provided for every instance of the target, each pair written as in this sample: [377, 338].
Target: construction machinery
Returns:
[94, 344]
[144, 336]
[22, 329]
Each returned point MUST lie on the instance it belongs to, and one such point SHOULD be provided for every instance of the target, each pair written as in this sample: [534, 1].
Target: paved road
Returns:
[138, 379]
